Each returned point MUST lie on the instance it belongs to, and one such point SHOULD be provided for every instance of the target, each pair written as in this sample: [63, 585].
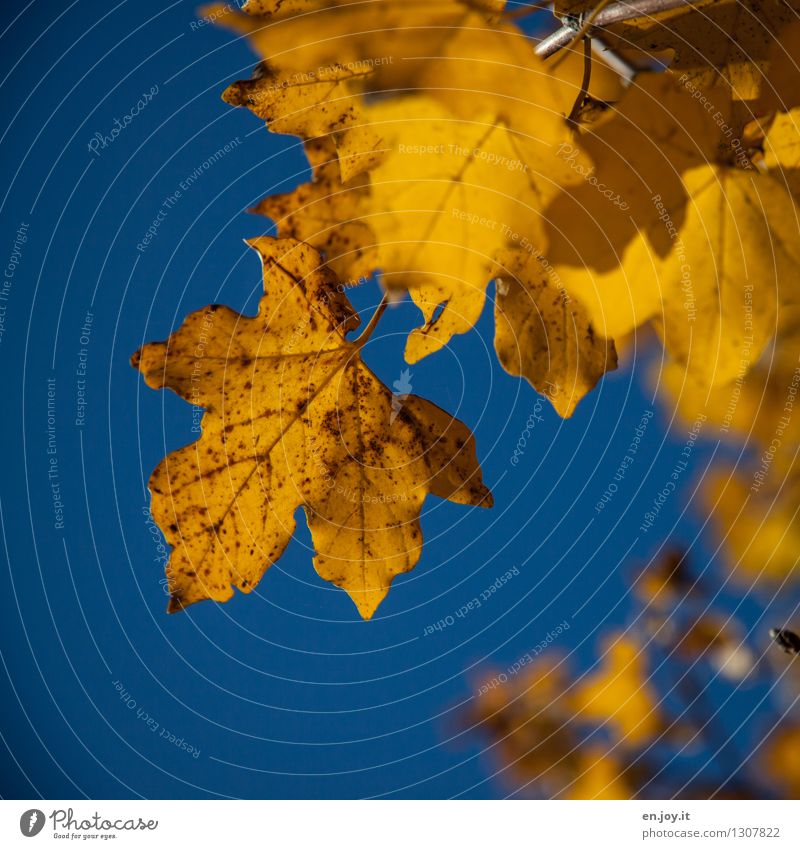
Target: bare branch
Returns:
[620, 11]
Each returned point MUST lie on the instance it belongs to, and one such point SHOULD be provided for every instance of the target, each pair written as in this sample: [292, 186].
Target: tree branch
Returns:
[613, 14]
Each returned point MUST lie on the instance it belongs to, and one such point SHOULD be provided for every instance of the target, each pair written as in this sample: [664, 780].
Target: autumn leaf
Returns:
[313, 105]
[293, 417]
[545, 335]
[319, 58]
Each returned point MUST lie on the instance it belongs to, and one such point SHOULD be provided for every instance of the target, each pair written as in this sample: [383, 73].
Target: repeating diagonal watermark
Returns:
[474, 604]
[679, 468]
[527, 658]
[102, 141]
[626, 462]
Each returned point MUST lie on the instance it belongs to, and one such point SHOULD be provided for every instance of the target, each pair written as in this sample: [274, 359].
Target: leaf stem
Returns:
[587, 78]
[363, 337]
[613, 14]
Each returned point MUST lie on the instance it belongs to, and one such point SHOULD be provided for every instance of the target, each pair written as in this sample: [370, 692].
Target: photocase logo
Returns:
[402, 389]
[31, 822]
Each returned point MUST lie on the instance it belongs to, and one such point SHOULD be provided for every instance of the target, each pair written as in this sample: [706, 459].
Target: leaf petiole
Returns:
[363, 337]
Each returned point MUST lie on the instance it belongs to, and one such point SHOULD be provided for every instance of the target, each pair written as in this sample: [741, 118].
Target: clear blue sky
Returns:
[284, 692]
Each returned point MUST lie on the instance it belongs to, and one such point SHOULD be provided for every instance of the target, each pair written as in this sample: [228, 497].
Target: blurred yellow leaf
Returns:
[757, 521]
[663, 231]
[600, 775]
[620, 693]
[722, 45]
[779, 759]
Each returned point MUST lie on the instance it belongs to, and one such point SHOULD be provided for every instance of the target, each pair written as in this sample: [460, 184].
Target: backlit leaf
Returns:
[293, 417]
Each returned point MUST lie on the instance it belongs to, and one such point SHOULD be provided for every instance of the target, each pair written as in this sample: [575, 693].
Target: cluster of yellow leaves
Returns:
[685, 238]
[442, 158]
[706, 157]
[439, 176]
[540, 723]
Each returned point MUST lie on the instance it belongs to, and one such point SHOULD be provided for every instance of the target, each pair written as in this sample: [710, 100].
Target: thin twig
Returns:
[586, 24]
[613, 14]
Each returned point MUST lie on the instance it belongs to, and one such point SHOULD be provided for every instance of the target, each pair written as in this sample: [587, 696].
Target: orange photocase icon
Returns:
[31, 822]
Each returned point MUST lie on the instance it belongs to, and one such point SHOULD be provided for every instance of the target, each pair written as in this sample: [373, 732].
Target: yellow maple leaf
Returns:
[293, 417]
[314, 105]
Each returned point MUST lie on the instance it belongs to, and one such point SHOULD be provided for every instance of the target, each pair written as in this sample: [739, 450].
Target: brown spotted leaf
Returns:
[320, 56]
[313, 105]
[544, 335]
[293, 417]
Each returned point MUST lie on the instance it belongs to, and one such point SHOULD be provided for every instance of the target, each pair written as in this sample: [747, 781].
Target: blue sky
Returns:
[283, 693]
